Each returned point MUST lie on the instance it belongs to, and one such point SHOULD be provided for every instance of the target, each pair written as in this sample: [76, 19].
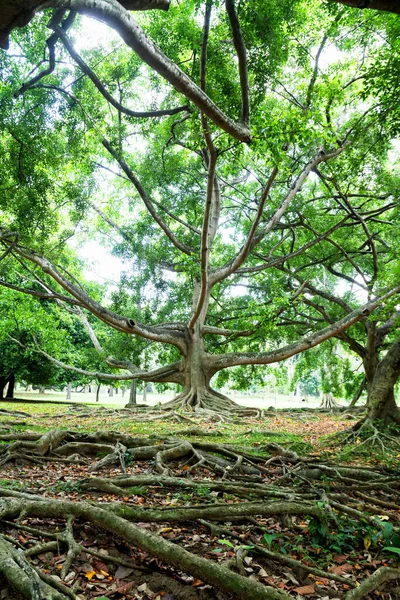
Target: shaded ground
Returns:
[278, 512]
[259, 400]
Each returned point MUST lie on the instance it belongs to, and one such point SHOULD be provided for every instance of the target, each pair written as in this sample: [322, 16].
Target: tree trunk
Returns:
[132, 392]
[382, 408]
[111, 392]
[197, 393]
[11, 386]
[328, 401]
[144, 392]
[357, 395]
[3, 383]
[98, 392]
[69, 388]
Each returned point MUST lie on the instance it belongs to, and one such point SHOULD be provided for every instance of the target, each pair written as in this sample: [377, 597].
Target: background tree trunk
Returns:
[381, 401]
[69, 388]
[132, 392]
[11, 386]
[328, 401]
[357, 395]
[3, 383]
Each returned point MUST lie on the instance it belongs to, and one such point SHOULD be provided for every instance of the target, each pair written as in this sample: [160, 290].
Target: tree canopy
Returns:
[238, 159]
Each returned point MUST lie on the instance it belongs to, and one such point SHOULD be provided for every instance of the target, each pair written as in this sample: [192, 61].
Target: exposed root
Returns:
[271, 491]
[366, 435]
[23, 577]
[213, 573]
[211, 404]
[377, 579]
[276, 556]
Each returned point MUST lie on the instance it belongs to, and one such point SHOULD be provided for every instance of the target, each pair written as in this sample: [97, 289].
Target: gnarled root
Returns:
[366, 433]
[373, 582]
[170, 553]
[23, 577]
[209, 403]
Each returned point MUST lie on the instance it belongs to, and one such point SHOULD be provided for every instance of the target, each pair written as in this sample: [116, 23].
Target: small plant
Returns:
[203, 491]
[10, 483]
[268, 538]
[234, 548]
[138, 490]
[392, 549]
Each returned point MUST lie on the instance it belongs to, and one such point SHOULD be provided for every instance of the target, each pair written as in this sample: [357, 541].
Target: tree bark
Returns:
[69, 388]
[382, 406]
[19, 12]
[197, 393]
[132, 392]
[98, 392]
[386, 5]
[11, 386]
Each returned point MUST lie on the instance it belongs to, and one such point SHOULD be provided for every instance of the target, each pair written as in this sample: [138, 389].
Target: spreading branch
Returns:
[222, 361]
[253, 237]
[111, 12]
[103, 90]
[118, 322]
[146, 200]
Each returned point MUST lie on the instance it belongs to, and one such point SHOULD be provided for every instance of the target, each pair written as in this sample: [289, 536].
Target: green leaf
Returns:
[227, 543]
[392, 549]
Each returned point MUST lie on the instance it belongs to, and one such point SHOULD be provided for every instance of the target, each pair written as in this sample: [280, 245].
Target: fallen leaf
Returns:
[305, 590]
[124, 589]
[367, 542]
[123, 572]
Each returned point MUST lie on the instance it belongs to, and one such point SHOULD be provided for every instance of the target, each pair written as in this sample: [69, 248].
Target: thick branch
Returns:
[146, 200]
[242, 59]
[222, 361]
[111, 318]
[102, 89]
[385, 5]
[168, 374]
[19, 12]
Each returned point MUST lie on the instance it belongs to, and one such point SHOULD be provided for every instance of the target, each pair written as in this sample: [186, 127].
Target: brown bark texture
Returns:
[384, 5]
[19, 13]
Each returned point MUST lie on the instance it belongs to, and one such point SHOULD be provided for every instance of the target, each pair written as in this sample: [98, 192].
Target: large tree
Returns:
[188, 197]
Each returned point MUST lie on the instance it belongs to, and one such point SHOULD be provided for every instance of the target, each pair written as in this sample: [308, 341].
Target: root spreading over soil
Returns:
[109, 514]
